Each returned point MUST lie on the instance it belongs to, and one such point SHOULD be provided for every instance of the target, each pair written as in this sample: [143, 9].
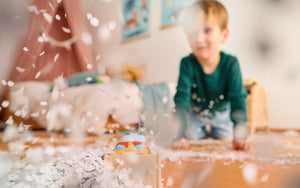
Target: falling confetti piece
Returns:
[10, 133]
[35, 114]
[67, 30]
[40, 39]
[51, 6]
[221, 97]
[47, 17]
[25, 49]
[264, 178]
[165, 99]
[112, 25]
[89, 66]
[32, 8]
[104, 33]
[170, 182]
[56, 57]
[37, 75]
[3, 82]
[19, 69]
[94, 22]
[98, 57]
[59, 1]
[86, 38]
[57, 17]
[10, 83]
[89, 16]
[42, 53]
[43, 103]
[5, 104]
[250, 173]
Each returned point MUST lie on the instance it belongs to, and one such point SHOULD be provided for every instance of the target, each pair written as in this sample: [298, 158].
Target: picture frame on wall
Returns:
[171, 11]
[136, 14]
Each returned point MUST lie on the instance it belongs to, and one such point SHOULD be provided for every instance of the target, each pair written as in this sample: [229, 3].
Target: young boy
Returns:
[210, 89]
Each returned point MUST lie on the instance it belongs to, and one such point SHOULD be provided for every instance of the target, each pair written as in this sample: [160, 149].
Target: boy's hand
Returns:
[181, 144]
[241, 145]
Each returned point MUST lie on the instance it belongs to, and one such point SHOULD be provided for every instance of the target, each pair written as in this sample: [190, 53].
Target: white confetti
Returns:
[89, 16]
[35, 114]
[59, 1]
[221, 97]
[94, 21]
[42, 53]
[170, 182]
[50, 150]
[19, 69]
[57, 17]
[3, 82]
[5, 104]
[51, 6]
[89, 66]
[88, 79]
[32, 8]
[112, 25]
[25, 49]
[104, 33]
[10, 83]
[264, 178]
[43, 103]
[56, 57]
[98, 57]
[86, 38]
[10, 121]
[37, 75]
[250, 173]
[47, 17]
[165, 99]
[10, 133]
[33, 65]
[67, 30]
[40, 39]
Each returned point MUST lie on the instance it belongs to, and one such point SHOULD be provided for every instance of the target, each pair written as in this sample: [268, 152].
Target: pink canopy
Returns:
[55, 43]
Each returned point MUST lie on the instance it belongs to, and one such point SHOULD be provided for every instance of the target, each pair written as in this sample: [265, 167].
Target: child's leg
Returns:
[222, 126]
[196, 126]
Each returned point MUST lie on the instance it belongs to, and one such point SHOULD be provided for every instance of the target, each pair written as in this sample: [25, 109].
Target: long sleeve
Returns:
[237, 94]
[183, 95]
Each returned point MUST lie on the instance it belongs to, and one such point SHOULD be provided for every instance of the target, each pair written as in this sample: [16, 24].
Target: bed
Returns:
[93, 107]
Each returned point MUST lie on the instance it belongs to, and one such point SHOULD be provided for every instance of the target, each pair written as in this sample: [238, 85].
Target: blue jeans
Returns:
[221, 125]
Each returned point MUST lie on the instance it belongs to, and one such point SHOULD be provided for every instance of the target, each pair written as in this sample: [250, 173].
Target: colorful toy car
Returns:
[132, 143]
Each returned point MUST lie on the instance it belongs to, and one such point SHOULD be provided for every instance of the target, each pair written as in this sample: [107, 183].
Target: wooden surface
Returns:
[206, 168]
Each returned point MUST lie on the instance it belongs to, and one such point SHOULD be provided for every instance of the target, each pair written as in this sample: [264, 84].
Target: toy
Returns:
[127, 72]
[132, 143]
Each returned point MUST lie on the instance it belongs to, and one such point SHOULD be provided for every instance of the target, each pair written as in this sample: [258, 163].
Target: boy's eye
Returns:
[207, 30]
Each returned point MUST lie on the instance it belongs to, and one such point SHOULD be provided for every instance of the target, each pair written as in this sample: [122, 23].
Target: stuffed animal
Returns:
[128, 72]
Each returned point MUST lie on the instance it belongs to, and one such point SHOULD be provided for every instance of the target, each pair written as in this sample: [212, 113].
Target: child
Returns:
[210, 89]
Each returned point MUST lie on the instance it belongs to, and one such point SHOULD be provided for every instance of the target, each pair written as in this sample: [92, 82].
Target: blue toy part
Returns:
[140, 137]
[120, 147]
[140, 147]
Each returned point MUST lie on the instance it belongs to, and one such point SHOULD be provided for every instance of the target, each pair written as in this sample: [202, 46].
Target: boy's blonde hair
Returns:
[211, 9]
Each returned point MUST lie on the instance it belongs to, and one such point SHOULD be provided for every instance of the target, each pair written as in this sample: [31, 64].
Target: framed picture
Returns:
[136, 14]
[172, 10]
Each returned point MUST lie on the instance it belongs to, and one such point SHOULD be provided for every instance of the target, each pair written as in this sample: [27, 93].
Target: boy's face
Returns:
[205, 36]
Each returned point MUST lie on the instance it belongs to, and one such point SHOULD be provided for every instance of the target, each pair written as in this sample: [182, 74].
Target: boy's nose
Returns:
[200, 37]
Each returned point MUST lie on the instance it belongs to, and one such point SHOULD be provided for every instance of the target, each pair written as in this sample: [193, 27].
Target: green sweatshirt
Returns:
[208, 93]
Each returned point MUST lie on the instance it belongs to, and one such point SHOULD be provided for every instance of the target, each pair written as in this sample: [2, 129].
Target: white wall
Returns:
[161, 50]
[274, 24]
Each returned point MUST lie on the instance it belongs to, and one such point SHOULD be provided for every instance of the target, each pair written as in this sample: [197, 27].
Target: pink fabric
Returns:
[77, 59]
